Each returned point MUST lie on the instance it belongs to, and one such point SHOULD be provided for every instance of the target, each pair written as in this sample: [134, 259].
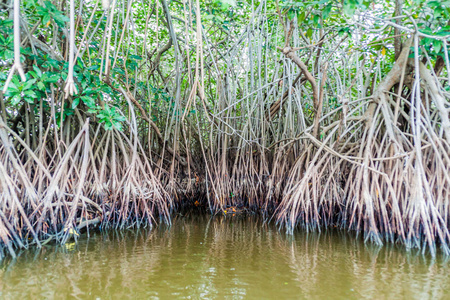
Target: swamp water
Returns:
[235, 258]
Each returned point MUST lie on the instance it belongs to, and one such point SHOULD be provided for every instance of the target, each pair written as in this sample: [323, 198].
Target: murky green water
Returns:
[234, 258]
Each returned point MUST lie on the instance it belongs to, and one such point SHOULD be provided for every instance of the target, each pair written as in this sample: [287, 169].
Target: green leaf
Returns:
[37, 70]
[136, 57]
[118, 125]
[41, 86]
[75, 102]
[326, 11]
[29, 100]
[102, 116]
[49, 5]
[9, 54]
[434, 4]
[119, 70]
[437, 46]
[69, 111]
[349, 7]
[108, 125]
[60, 20]
[88, 101]
[301, 17]
[28, 84]
[32, 73]
[30, 94]
[89, 91]
[46, 19]
[16, 81]
[16, 99]
[437, 12]
[53, 78]
[316, 20]
[13, 86]
[228, 3]
[120, 118]
[291, 14]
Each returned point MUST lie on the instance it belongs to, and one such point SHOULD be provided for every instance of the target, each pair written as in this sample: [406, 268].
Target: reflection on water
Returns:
[234, 258]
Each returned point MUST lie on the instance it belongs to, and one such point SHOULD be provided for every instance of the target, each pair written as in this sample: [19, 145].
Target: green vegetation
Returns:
[315, 113]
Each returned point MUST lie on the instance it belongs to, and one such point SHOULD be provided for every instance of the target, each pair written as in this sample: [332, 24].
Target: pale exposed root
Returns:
[391, 190]
[82, 184]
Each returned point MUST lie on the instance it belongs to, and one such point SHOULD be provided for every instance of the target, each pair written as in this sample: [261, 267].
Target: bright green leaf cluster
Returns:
[49, 12]
[18, 90]
[111, 118]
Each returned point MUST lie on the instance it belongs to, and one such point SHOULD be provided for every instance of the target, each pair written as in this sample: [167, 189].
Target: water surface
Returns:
[222, 258]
